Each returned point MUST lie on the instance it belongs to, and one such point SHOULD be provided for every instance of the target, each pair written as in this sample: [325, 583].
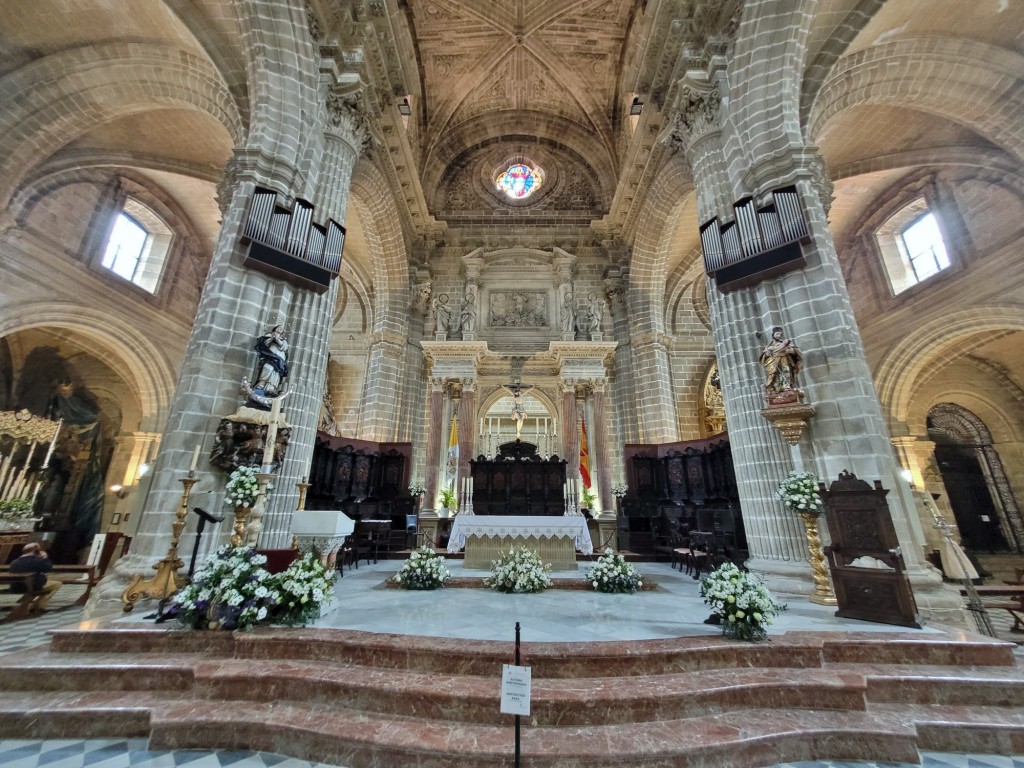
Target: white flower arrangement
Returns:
[304, 587]
[619, 490]
[743, 604]
[799, 492]
[611, 573]
[243, 487]
[416, 488]
[521, 570]
[230, 591]
[16, 509]
[425, 569]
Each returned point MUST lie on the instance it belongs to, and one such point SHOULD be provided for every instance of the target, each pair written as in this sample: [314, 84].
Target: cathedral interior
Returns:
[548, 215]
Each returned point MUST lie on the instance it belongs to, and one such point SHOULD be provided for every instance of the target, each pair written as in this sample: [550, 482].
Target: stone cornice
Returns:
[454, 351]
[785, 167]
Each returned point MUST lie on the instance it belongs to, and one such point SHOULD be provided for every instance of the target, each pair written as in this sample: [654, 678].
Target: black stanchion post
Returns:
[517, 716]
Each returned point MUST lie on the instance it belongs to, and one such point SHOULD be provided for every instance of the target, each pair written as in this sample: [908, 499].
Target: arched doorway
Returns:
[972, 472]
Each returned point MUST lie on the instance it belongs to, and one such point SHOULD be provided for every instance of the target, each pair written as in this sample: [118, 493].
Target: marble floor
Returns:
[364, 601]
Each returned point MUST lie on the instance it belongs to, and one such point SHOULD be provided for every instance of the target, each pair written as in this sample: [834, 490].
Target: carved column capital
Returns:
[567, 386]
[468, 384]
[694, 115]
[347, 116]
[436, 384]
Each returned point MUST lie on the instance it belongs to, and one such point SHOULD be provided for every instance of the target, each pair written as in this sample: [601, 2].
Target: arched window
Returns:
[138, 246]
[912, 246]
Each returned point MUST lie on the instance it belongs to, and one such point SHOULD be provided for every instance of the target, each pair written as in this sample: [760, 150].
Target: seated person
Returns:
[34, 560]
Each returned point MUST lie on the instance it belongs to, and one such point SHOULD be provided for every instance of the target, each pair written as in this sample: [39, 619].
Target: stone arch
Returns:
[373, 198]
[648, 272]
[54, 100]
[845, 33]
[952, 424]
[968, 82]
[117, 341]
[900, 373]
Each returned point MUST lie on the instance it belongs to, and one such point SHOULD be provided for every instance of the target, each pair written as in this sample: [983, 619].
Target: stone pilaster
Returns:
[656, 407]
[436, 427]
[599, 441]
[570, 429]
[467, 425]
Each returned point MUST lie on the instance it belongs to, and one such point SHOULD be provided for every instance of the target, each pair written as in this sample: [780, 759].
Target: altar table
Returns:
[555, 539]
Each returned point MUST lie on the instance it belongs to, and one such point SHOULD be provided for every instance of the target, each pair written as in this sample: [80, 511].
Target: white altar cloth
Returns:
[498, 526]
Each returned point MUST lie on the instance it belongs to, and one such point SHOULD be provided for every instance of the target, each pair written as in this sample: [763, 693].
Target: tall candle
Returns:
[268, 447]
[195, 459]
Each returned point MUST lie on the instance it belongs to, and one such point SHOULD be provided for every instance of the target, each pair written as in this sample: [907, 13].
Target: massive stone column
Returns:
[467, 425]
[570, 429]
[237, 305]
[812, 305]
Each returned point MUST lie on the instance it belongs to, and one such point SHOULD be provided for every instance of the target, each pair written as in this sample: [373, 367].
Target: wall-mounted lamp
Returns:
[143, 470]
[120, 491]
[907, 475]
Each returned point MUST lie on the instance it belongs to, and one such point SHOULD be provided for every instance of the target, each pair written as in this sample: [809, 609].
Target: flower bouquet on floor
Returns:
[230, 591]
[425, 569]
[743, 604]
[611, 573]
[519, 570]
[304, 587]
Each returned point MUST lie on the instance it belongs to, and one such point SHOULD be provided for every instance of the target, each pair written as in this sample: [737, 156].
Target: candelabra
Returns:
[822, 594]
[167, 581]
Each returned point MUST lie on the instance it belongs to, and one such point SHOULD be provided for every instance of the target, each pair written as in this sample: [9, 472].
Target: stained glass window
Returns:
[519, 181]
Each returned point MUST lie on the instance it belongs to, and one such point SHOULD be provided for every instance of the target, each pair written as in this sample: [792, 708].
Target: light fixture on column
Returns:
[120, 491]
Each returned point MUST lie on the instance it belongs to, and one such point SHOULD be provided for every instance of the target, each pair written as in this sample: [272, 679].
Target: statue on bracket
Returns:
[271, 369]
[782, 362]
[468, 316]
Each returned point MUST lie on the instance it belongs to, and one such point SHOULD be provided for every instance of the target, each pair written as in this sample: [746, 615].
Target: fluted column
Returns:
[570, 429]
[467, 425]
[436, 431]
[599, 445]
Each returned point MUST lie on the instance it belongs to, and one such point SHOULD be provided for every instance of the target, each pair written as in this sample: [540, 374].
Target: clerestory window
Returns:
[138, 246]
[912, 246]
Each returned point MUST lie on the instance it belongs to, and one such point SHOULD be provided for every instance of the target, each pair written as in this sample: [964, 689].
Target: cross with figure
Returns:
[518, 410]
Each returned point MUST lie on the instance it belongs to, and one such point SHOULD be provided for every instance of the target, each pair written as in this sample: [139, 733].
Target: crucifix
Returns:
[518, 411]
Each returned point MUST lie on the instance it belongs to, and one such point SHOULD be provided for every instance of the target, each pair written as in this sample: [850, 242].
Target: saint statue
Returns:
[468, 314]
[442, 313]
[782, 361]
[597, 308]
[518, 410]
[568, 313]
[272, 363]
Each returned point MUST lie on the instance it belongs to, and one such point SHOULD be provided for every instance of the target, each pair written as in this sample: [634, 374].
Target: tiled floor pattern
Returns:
[132, 753]
[673, 609]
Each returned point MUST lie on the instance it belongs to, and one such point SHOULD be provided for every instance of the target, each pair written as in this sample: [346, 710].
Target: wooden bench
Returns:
[86, 575]
[1015, 606]
[27, 601]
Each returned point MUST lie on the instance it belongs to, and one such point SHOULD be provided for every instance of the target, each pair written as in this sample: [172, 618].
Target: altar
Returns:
[555, 538]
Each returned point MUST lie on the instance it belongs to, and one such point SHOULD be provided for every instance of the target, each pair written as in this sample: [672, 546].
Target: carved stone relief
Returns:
[518, 309]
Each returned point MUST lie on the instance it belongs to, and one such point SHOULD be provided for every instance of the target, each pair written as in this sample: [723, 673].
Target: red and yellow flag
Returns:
[584, 454]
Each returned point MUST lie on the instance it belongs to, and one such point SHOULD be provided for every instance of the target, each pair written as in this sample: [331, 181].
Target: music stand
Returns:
[204, 518]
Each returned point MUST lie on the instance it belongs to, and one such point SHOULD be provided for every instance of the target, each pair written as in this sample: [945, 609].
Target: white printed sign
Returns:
[515, 690]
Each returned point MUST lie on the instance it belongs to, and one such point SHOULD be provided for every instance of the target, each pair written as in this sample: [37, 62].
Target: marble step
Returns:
[473, 698]
[367, 740]
[549, 660]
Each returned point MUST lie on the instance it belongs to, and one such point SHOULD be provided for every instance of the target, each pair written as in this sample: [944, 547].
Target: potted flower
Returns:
[231, 590]
[416, 490]
[743, 605]
[612, 574]
[304, 588]
[619, 490]
[519, 570]
[588, 499]
[16, 514]
[447, 499]
[424, 569]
